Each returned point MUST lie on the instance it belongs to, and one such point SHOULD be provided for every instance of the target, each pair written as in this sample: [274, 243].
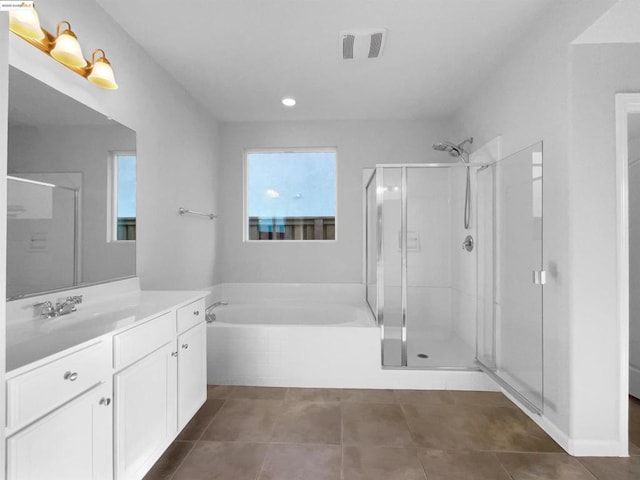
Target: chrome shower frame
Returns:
[377, 176]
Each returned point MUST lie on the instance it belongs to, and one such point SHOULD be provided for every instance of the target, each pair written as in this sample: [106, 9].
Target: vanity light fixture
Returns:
[63, 47]
[66, 48]
[101, 71]
[25, 22]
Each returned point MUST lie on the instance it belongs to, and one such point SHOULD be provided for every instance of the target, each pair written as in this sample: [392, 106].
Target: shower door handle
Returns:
[539, 277]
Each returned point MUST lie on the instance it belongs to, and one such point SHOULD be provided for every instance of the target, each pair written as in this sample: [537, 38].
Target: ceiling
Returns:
[238, 58]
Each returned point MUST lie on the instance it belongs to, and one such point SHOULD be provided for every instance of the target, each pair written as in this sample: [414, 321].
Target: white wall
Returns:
[618, 25]
[360, 144]
[4, 108]
[177, 143]
[525, 101]
[598, 72]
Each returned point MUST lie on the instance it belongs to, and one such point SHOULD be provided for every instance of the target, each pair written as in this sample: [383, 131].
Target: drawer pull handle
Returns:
[174, 354]
[71, 376]
[185, 345]
[196, 312]
[105, 401]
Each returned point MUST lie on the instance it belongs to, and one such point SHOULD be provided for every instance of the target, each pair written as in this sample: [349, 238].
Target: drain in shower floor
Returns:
[422, 355]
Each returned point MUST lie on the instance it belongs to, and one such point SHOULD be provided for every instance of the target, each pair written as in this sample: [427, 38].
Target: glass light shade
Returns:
[25, 22]
[102, 74]
[67, 50]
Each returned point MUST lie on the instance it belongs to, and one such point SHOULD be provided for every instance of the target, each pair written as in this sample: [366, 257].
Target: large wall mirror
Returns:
[71, 190]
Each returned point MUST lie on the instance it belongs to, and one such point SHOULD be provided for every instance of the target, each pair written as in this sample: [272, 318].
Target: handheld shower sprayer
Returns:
[460, 153]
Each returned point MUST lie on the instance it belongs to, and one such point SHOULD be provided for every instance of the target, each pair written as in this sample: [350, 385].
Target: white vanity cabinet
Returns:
[73, 442]
[108, 406]
[145, 412]
[61, 411]
[192, 373]
[160, 388]
[145, 395]
[192, 361]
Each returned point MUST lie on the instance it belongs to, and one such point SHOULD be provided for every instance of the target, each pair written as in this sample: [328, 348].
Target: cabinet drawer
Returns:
[141, 340]
[34, 393]
[191, 315]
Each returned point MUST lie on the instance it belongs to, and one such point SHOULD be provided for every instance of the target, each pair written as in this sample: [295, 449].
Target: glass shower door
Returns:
[371, 256]
[391, 313]
[510, 275]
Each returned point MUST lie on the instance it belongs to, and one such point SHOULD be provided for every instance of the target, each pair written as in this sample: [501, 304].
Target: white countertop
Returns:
[33, 340]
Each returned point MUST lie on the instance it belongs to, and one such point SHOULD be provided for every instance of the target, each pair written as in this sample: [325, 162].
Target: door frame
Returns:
[625, 104]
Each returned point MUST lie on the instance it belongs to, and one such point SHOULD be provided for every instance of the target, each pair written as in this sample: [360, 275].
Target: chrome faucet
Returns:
[69, 305]
[209, 315]
[47, 310]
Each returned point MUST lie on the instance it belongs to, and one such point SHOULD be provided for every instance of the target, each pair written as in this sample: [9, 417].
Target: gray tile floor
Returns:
[260, 433]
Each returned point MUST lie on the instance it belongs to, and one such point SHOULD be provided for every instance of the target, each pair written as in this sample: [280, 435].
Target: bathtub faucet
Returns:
[209, 315]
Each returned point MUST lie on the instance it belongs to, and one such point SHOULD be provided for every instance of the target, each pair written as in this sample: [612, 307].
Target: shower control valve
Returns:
[468, 243]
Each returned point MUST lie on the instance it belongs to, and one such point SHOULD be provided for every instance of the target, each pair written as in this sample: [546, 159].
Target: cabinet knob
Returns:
[105, 401]
[185, 345]
[174, 354]
[71, 376]
[196, 312]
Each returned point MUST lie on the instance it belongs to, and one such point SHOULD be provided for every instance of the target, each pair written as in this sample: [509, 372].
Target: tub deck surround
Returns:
[106, 309]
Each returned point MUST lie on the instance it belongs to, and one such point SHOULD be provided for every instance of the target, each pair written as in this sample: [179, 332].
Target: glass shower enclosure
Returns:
[455, 298]
[42, 237]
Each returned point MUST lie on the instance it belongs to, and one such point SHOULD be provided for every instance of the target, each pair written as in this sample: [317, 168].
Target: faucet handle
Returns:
[46, 309]
[75, 299]
[46, 303]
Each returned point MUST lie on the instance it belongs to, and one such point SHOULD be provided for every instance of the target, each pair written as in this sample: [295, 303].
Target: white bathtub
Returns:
[294, 314]
[308, 336]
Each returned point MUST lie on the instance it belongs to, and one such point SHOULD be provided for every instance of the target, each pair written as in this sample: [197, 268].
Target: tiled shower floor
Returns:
[260, 433]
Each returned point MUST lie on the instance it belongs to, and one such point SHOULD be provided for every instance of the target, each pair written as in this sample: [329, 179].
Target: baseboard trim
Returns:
[589, 448]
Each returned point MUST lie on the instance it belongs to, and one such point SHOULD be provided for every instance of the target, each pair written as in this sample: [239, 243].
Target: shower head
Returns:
[454, 150]
[447, 147]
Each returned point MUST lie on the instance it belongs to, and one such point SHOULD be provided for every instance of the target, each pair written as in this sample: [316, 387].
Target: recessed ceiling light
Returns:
[288, 101]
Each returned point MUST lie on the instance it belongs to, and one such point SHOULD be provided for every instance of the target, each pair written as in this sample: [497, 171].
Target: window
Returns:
[290, 195]
[123, 195]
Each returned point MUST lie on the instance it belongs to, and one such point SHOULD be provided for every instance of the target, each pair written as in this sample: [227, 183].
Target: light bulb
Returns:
[102, 74]
[67, 50]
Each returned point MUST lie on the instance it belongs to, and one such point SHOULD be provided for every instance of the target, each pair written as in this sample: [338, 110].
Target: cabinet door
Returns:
[145, 411]
[72, 442]
[192, 372]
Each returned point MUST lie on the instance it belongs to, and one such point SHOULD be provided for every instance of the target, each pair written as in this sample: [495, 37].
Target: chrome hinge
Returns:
[539, 277]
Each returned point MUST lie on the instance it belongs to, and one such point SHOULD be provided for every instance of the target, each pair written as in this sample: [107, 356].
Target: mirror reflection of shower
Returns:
[462, 155]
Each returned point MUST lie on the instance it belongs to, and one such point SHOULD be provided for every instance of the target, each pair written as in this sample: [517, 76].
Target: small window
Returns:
[290, 195]
[123, 194]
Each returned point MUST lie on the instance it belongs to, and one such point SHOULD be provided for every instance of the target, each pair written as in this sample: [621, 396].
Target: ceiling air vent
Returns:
[361, 44]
